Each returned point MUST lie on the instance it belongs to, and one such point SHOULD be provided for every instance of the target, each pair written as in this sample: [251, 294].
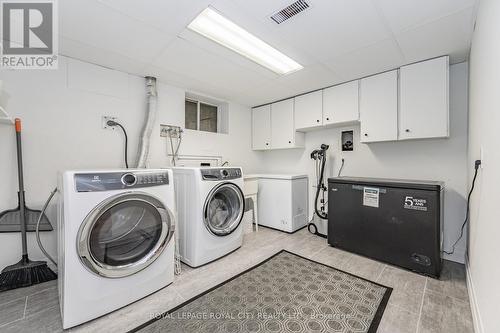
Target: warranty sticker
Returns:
[415, 204]
[371, 197]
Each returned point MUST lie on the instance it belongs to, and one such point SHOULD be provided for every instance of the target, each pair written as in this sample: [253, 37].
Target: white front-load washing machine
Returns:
[116, 241]
[210, 207]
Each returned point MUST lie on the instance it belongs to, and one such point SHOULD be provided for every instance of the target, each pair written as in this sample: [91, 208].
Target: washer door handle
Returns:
[166, 217]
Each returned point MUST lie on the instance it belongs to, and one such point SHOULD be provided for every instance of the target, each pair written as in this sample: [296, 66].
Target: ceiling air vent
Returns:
[290, 11]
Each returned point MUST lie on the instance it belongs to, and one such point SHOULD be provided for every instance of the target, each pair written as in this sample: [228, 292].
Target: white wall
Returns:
[438, 159]
[61, 113]
[484, 125]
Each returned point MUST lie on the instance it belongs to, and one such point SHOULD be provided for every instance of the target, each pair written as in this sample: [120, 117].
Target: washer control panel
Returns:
[221, 173]
[109, 181]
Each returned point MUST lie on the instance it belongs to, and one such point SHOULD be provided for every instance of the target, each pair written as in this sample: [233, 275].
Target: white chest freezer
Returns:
[283, 201]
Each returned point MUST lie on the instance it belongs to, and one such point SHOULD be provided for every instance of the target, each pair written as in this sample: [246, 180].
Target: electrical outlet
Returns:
[174, 131]
[105, 120]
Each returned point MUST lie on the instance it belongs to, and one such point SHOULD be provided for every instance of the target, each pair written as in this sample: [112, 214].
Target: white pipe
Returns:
[150, 120]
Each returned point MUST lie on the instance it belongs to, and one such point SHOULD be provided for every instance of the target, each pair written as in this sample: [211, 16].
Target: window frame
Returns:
[198, 102]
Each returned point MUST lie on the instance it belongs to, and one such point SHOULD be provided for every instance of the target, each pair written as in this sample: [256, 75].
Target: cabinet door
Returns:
[282, 124]
[309, 110]
[341, 103]
[261, 127]
[378, 109]
[424, 100]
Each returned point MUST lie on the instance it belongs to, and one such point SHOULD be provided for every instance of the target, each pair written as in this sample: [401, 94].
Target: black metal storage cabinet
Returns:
[395, 221]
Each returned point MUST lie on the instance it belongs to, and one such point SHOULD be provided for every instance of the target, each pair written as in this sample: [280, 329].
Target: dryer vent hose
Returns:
[150, 122]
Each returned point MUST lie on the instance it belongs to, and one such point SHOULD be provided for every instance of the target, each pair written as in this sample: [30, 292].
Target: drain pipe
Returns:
[150, 120]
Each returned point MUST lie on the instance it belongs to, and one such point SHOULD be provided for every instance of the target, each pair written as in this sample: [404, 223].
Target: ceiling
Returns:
[335, 41]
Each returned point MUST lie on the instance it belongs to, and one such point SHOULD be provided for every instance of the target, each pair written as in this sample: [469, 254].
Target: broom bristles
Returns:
[25, 275]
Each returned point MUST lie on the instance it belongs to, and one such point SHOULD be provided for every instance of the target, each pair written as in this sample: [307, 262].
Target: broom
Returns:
[26, 272]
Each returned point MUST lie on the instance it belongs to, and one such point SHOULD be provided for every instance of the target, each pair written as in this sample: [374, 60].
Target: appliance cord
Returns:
[114, 123]
[177, 263]
[40, 245]
[476, 166]
[341, 167]
[177, 254]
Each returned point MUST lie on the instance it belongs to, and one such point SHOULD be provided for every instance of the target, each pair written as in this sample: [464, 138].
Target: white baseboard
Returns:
[476, 317]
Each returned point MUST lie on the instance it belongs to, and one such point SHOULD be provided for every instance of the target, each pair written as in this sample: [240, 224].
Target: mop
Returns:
[26, 272]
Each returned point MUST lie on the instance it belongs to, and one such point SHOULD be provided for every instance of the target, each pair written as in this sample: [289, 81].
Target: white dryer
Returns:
[116, 241]
[210, 207]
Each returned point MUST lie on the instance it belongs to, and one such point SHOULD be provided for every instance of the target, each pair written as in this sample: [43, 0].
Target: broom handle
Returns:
[22, 207]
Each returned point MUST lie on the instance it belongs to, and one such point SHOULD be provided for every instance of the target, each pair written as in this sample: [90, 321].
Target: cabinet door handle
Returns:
[317, 120]
[327, 118]
[407, 130]
[267, 144]
[289, 141]
[366, 134]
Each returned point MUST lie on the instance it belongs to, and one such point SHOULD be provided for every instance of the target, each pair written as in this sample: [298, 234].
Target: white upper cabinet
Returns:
[283, 133]
[309, 110]
[378, 108]
[424, 105]
[273, 127]
[388, 106]
[261, 127]
[341, 103]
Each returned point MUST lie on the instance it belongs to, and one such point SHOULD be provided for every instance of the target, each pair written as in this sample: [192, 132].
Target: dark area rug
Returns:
[286, 292]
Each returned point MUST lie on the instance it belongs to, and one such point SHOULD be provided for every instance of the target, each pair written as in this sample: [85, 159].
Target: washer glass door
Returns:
[224, 209]
[124, 234]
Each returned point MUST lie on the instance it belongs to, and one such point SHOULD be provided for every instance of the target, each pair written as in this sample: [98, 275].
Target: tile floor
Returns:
[417, 304]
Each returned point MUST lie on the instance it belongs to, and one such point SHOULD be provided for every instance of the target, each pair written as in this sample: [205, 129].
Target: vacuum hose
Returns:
[319, 155]
[320, 214]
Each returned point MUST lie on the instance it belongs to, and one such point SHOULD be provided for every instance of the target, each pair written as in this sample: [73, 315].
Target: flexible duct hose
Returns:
[150, 121]
[40, 245]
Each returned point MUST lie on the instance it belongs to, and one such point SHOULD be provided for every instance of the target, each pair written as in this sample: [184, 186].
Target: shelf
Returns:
[4, 117]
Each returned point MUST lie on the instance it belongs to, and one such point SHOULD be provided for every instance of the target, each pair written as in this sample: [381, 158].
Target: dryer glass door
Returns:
[224, 209]
[124, 234]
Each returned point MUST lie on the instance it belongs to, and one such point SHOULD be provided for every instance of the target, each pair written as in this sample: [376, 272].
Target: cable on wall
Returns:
[114, 123]
[476, 167]
[341, 167]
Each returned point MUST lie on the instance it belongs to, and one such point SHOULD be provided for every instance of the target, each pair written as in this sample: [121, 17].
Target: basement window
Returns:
[205, 114]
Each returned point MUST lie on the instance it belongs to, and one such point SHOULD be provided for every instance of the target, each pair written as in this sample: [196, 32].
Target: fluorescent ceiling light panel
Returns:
[219, 29]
